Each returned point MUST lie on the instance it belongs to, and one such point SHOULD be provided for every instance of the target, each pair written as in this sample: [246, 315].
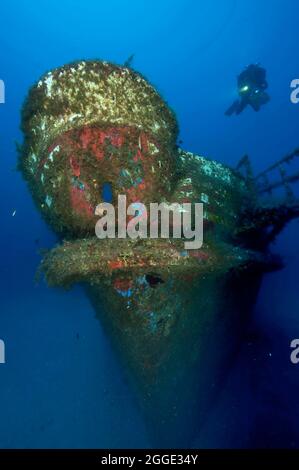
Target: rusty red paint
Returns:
[117, 138]
[138, 156]
[51, 148]
[122, 284]
[85, 136]
[115, 264]
[76, 146]
[75, 166]
[97, 150]
[79, 203]
[198, 254]
[141, 186]
[133, 194]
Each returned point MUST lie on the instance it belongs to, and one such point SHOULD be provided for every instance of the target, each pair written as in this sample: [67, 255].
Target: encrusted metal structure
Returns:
[175, 316]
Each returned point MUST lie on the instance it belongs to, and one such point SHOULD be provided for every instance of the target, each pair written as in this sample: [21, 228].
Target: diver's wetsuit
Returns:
[251, 87]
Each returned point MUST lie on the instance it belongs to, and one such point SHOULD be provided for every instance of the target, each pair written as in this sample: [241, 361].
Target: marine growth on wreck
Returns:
[91, 125]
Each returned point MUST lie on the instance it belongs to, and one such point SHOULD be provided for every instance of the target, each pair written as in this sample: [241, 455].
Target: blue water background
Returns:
[61, 385]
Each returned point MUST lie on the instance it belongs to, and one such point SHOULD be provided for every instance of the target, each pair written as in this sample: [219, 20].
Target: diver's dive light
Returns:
[244, 89]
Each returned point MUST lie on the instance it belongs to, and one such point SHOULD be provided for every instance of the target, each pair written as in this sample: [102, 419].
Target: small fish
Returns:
[129, 61]
[14, 213]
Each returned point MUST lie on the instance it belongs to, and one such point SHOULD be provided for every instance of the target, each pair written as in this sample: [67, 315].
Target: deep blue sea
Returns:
[61, 385]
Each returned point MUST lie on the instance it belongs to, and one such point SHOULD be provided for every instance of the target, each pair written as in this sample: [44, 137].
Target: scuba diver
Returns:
[251, 88]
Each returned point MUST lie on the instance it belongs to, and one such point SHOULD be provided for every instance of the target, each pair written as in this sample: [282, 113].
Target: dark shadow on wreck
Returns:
[176, 402]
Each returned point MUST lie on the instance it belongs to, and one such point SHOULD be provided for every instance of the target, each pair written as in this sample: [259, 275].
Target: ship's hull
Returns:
[176, 345]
